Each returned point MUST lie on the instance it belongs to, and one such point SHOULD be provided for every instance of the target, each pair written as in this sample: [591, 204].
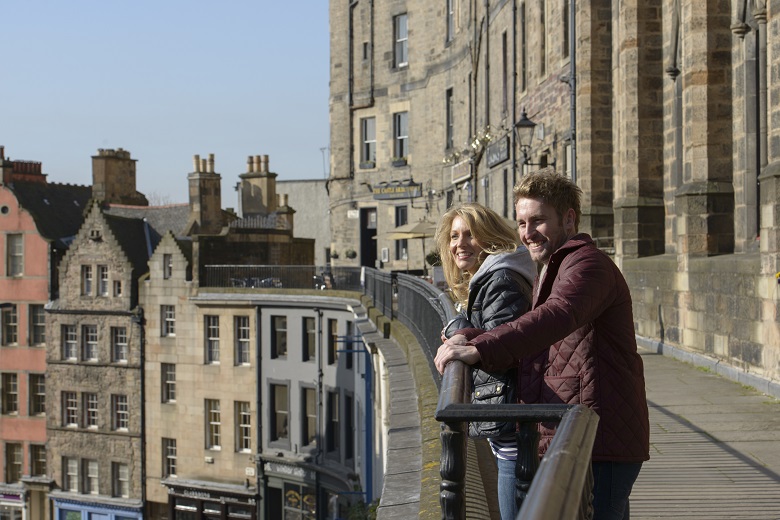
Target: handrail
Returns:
[559, 488]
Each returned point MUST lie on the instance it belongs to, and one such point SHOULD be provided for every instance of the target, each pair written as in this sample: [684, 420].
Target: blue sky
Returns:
[166, 80]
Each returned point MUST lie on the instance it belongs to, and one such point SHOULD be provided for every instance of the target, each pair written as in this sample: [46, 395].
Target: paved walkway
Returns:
[714, 447]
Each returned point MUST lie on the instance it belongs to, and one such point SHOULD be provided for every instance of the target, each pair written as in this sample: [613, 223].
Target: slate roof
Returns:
[136, 239]
[57, 209]
[172, 217]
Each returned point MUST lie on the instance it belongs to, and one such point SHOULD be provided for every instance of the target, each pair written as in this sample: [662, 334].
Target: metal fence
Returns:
[380, 286]
[424, 309]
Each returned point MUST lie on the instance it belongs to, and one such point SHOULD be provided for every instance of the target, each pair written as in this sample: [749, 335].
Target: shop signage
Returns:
[397, 190]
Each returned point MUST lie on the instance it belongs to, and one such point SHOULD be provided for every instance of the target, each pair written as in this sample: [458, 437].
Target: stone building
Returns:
[660, 113]
[37, 221]
[312, 218]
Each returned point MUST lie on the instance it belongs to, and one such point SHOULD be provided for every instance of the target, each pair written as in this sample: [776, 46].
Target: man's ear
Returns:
[570, 219]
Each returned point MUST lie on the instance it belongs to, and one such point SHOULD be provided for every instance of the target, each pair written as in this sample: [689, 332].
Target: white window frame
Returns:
[278, 336]
[9, 384]
[211, 332]
[120, 480]
[119, 347]
[168, 378]
[91, 409]
[10, 324]
[89, 343]
[243, 340]
[401, 134]
[70, 409]
[280, 427]
[120, 412]
[70, 474]
[70, 343]
[37, 390]
[37, 318]
[401, 40]
[243, 427]
[103, 281]
[168, 457]
[14, 244]
[368, 140]
[86, 280]
[167, 266]
[167, 320]
[91, 469]
[213, 424]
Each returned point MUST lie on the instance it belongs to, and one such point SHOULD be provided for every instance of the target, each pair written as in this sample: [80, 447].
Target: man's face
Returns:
[540, 228]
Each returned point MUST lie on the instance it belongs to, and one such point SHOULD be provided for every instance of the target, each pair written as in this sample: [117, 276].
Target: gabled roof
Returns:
[136, 239]
[57, 209]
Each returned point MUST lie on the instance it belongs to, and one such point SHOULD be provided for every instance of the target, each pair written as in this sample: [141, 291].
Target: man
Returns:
[577, 344]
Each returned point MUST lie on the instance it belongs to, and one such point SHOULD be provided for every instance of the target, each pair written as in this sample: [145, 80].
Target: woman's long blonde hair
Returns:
[487, 227]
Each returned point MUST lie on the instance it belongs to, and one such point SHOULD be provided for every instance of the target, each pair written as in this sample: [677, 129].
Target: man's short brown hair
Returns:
[551, 188]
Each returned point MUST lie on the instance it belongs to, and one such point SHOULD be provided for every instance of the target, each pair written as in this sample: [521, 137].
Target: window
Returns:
[332, 343]
[120, 477]
[167, 266]
[119, 344]
[13, 462]
[309, 423]
[401, 37]
[543, 39]
[504, 73]
[90, 404]
[450, 20]
[37, 460]
[70, 350]
[278, 336]
[70, 474]
[89, 340]
[243, 427]
[368, 142]
[120, 412]
[91, 476]
[169, 457]
[401, 135]
[449, 141]
[309, 335]
[566, 29]
[213, 425]
[102, 280]
[37, 389]
[14, 262]
[86, 280]
[280, 413]
[350, 344]
[332, 433]
[212, 339]
[9, 388]
[167, 320]
[37, 325]
[349, 428]
[117, 287]
[168, 374]
[523, 49]
[10, 325]
[70, 409]
[241, 331]
[401, 246]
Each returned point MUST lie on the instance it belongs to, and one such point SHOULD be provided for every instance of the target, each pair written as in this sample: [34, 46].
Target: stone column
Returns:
[705, 201]
[638, 130]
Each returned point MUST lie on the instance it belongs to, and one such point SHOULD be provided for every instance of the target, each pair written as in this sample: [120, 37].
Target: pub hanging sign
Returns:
[498, 151]
[407, 189]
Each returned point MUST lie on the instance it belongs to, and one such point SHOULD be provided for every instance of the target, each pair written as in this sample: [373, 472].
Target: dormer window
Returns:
[95, 234]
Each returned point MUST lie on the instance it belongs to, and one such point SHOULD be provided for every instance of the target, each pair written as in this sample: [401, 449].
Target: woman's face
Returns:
[464, 247]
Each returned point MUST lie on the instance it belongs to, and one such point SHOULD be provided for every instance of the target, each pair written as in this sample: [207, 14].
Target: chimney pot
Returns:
[249, 164]
[196, 163]
[211, 163]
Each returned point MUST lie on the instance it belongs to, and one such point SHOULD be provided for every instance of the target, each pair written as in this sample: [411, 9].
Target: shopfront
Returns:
[197, 500]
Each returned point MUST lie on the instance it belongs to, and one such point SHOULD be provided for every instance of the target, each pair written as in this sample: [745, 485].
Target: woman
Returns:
[491, 279]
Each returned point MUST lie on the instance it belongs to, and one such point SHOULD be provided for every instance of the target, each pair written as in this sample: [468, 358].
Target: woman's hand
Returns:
[455, 348]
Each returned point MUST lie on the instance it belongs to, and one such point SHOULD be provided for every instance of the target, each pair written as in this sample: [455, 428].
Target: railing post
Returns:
[527, 459]
[453, 470]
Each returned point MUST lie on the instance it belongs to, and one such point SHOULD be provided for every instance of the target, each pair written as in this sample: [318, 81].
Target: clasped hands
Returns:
[453, 348]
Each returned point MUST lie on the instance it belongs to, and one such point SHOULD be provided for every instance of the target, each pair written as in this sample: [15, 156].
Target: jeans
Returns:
[612, 483]
[506, 489]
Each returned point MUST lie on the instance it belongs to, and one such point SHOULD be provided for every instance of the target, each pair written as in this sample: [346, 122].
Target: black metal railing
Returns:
[558, 487]
[424, 309]
[380, 286]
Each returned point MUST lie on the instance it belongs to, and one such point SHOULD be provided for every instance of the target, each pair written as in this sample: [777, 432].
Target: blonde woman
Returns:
[491, 279]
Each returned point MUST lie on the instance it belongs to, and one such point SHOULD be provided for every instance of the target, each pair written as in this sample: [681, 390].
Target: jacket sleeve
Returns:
[504, 301]
[584, 287]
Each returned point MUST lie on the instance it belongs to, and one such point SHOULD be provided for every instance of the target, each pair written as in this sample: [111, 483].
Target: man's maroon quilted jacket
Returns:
[577, 345]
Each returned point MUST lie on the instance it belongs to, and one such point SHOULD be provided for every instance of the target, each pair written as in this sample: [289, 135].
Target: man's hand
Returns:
[456, 348]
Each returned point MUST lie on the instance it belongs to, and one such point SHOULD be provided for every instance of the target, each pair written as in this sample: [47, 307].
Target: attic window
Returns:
[95, 234]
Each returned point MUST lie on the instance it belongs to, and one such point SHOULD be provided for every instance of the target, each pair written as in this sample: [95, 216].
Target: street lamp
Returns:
[525, 131]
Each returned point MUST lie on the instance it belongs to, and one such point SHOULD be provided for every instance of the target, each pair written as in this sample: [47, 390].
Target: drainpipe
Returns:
[514, 93]
[261, 479]
[138, 318]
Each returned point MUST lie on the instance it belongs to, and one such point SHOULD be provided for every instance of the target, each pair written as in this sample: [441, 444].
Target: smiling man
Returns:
[577, 344]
